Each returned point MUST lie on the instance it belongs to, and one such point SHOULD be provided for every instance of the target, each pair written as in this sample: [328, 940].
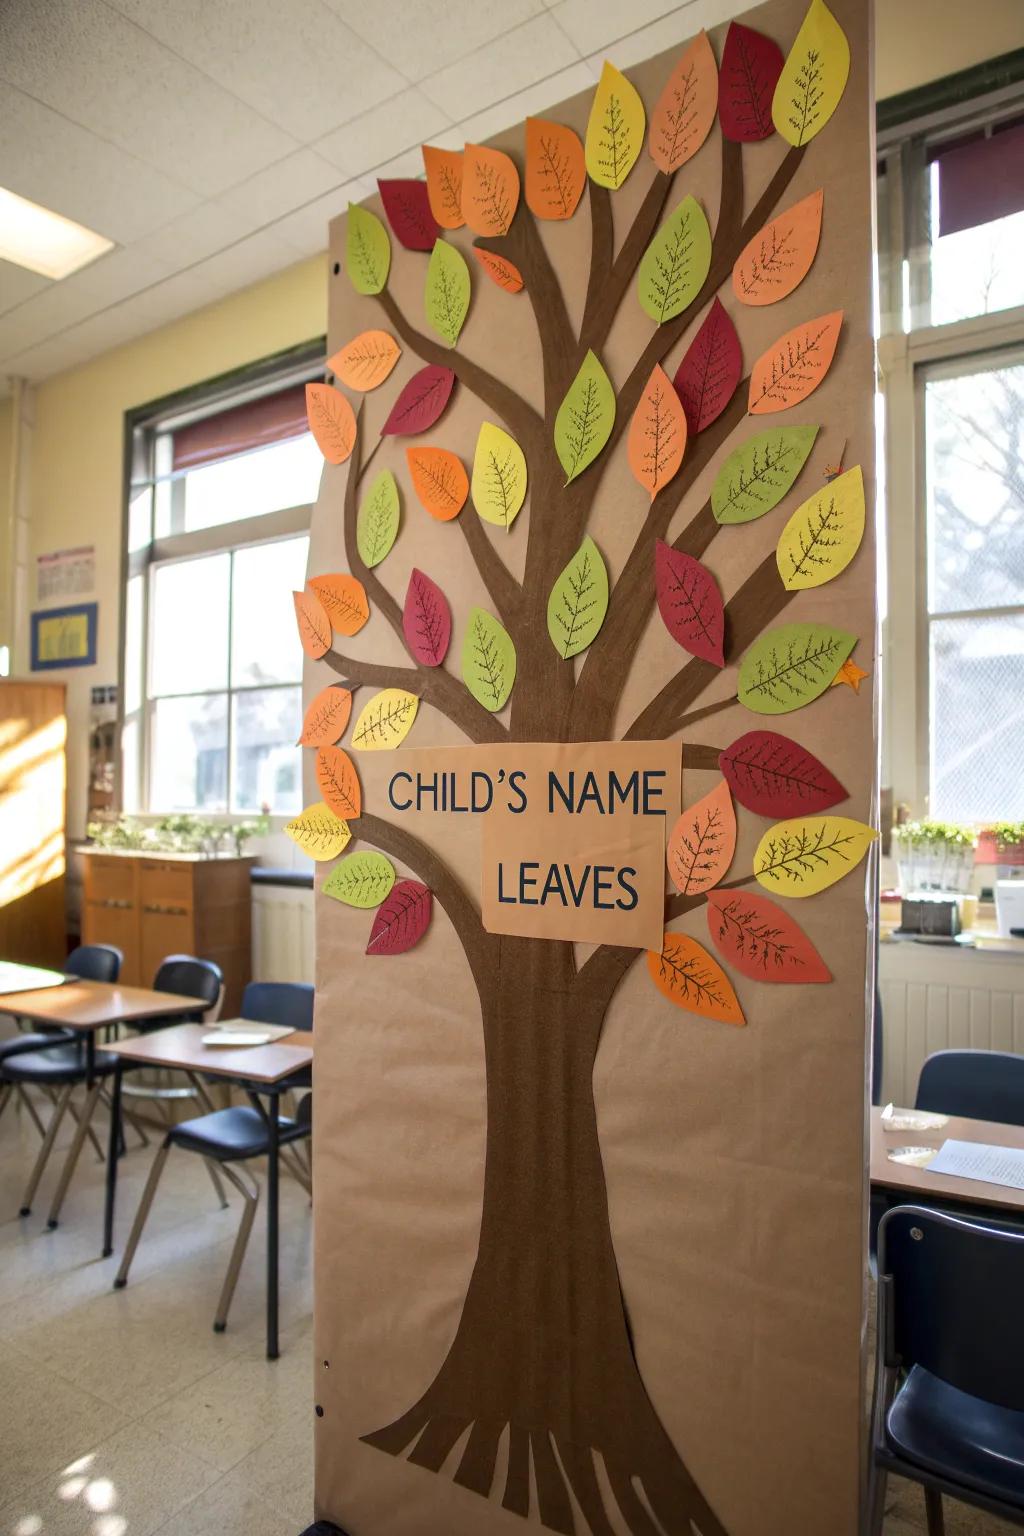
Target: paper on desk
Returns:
[249, 1026]
[911, 1120]
[976, 1160]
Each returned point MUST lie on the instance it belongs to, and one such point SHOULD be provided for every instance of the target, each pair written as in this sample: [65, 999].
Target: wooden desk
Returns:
[917, 1183]
[265, 1069]
[91, 1005]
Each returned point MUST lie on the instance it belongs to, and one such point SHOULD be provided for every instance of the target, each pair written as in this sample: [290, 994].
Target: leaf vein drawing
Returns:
[442, 479]
[489, 663]
[773, 768]
[332, 426]
[764, 476]
[662, 431]
[777, 676]
[614, 139]
[798, 367]
[822, 531]
[500, 478]
[578, 598]
[806, 100]
[675, 125]
[692, 979]
[693, 600]
[773, 260]
[451, 194]
[555, 171]
[430, 619]
[493, 197]
[796, 856]
[386, 719]
[673, 264]
[754, 938]
[693, 853]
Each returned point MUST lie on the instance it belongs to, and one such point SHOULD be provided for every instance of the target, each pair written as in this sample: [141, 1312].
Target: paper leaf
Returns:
[706, 378]
[756, 476]
[490, 190]
[657, 434]
[702, 843]
[319, 832]
[385, 720]
[578, 601]
[774, 776]
[401, 920]
[585, 418]
[447, 290]
[849, 674]
[439, 480]
[810, 853]
[824, 533]
[407, 205]
[426, 620]
[500, 270]
[499, 476]
[366, 360]
[556, 170]
[421, 402]
[615, 129]
[762, 941]
[338, 782]
[326, 718]
[751, 66]
[377, 522]
[813, 77]
[360, 880]
[690, 603]
[790, 666]
[685, 113]
[313, 622]
[780, 255]
[367, 250]
[488, 660]
[331, 421]
[444, 185]
[673, 267]
[687, 975]
[794, 367]
[343, 598]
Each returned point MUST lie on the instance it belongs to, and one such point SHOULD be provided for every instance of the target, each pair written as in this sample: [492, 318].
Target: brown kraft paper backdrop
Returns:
[733, 1157]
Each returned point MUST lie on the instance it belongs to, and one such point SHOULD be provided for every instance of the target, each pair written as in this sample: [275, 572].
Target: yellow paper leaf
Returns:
[615, 129]
[824, 533]
[319, 832]
[813, 77]
[806, 855]
[385, 721]
[499, 476]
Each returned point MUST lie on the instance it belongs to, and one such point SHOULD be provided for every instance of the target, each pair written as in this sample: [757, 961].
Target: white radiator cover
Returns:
[282, 933]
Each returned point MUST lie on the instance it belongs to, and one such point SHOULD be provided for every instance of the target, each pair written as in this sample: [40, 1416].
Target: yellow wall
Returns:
[78, 446]
[917, 41]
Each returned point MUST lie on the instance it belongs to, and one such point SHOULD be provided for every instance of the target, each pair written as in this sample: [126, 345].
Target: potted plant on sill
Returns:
[934, 856]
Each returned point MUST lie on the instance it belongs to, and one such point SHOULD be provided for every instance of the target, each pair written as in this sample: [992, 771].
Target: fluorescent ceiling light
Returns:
[45, 242]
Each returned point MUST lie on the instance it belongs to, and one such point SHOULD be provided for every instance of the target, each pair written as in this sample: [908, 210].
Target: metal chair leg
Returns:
[44, 1151]
[142, 1213]
[250, 1200]
[26, 1099]
[293, 1163]
[73, 1154]
[6, 1094]
[933, 1511]
[73, 1111]
[211, 1168]
[877, 1483]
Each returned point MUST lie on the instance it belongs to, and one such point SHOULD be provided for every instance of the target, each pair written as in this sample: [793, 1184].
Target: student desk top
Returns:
[92, 1005]
[912, 1183]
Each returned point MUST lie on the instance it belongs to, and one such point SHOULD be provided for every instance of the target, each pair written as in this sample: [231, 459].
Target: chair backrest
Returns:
[981, 1085]
[952, 1300]
[95, 962]
[279, 1002]
[189, 977]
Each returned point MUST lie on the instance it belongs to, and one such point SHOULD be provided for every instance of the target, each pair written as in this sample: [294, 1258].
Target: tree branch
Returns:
[505, 591]
[602, 249]
[524, 246]
[604, 298]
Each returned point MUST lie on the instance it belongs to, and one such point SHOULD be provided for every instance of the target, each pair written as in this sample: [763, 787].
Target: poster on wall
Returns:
[63, 637]
[65, 573]
[590, 747]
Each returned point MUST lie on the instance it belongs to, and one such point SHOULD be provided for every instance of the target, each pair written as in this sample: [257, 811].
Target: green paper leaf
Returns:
[360, 880]
[367, 250]
[578, 601]
[675, 264]
[488, 660]
[585, 418]
[377, 523]
[446, 295]
[757, 474]
[791, 666]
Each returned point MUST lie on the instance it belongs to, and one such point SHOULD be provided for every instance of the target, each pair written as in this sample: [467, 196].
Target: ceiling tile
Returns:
[247, 262]
[305, 230]
[671, 31]
[491, 74]
[404, 122]
[99, 69]
[18, 284]
[430, 34]
[43, 316]
[592, 24]
[534, 101]
[200, 233]
[118, 275]
[280, 188]
[297, 65]
[38, 363]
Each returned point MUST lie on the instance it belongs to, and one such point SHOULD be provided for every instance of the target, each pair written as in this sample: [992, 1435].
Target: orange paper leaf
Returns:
[440, 481]
[794, 367]
[343, 598]
[331, 421]
[556, 170]
[500, 270]
[314, 624]
[780, 255]
[702, 843]
[686, 108]
[657, 433]
[490, 190]
[687, 975]
[366, 360]
[444, 185]
[761, 940]
[339, 783]
[326, 718]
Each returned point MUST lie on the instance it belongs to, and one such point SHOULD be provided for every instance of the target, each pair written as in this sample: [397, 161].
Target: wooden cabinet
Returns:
[152, 906]
[32, 794]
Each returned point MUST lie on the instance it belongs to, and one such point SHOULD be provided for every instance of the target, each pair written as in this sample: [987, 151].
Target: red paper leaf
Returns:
[401, 920]
[751, 66]
[407, 205]
[776, 777]
[708, 374]
[762, 941]
[690, 603]
[426, 620]
[421, 402]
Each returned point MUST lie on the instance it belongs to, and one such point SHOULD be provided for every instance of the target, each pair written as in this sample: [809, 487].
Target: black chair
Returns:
[980, 1085]
[949, 1385]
